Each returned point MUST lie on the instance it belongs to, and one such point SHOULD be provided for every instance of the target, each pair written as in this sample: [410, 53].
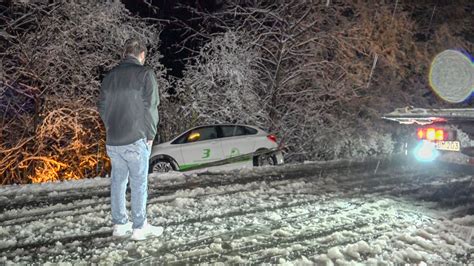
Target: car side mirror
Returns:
[194, 137]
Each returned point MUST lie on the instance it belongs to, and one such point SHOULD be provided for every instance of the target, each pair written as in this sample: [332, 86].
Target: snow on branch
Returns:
[52, 62]
[323, 71]
[221, 81]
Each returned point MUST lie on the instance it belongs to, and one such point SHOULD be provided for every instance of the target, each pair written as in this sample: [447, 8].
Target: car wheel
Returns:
[160, 165]
[264, 160]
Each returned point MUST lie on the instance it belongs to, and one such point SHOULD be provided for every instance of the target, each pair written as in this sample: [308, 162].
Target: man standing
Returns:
[128, 106]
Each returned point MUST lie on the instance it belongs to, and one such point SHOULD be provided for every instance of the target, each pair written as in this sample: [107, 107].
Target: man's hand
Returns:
[149, 142]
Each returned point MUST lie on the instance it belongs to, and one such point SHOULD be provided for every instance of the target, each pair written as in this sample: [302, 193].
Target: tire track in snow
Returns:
[269, 241]
[348, 181]
[204, 180]
[188, 221]
[158, 192]
[107, 233]
[61, 210]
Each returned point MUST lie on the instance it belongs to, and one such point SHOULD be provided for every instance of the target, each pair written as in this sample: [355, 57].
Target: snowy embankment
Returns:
[297, 214]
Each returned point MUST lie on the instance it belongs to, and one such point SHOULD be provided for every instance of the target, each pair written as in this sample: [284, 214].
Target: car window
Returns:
[232, 131]
[181, 139]
[227, 131]
[239, 131]
[250, 131]
[206, 133]
[203, 133]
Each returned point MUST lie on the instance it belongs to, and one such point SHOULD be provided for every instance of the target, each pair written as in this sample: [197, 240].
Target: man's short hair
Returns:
[133, 47]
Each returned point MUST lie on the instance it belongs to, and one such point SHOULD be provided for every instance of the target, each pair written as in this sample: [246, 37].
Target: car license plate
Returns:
[448, 145]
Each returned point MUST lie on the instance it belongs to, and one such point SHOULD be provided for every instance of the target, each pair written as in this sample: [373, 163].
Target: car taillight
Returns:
[435, 134]
[272, 138]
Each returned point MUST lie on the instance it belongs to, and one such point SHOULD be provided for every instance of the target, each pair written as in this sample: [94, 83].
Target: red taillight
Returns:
[431, 134]
[272, 138]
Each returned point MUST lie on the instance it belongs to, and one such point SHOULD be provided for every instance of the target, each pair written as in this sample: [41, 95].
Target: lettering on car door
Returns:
[202, 145]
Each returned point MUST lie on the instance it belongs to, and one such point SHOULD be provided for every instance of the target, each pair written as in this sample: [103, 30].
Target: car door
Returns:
[201, 146]
[235, 141]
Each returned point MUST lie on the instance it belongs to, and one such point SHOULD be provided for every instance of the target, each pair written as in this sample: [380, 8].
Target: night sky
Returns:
[172, 34]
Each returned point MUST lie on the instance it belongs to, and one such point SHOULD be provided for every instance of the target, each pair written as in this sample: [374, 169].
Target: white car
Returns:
[215, 145]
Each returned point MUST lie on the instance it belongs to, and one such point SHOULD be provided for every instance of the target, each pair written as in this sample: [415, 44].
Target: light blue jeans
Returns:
[129, 162]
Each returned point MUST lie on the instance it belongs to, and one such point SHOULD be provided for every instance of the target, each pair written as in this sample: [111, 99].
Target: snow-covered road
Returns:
[336, 212]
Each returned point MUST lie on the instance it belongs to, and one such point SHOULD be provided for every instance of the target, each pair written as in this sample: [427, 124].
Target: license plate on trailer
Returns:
[448, 145]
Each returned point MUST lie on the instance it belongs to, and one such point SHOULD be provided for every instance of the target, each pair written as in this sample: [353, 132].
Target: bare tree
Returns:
[326, 70]
[52, 60]
[222, 79]
[287, 38]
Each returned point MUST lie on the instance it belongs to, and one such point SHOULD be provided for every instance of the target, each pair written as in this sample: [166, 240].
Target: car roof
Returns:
[227, 124]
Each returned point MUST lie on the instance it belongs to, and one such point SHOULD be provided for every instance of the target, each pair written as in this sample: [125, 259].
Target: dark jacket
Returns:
[128, 103]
